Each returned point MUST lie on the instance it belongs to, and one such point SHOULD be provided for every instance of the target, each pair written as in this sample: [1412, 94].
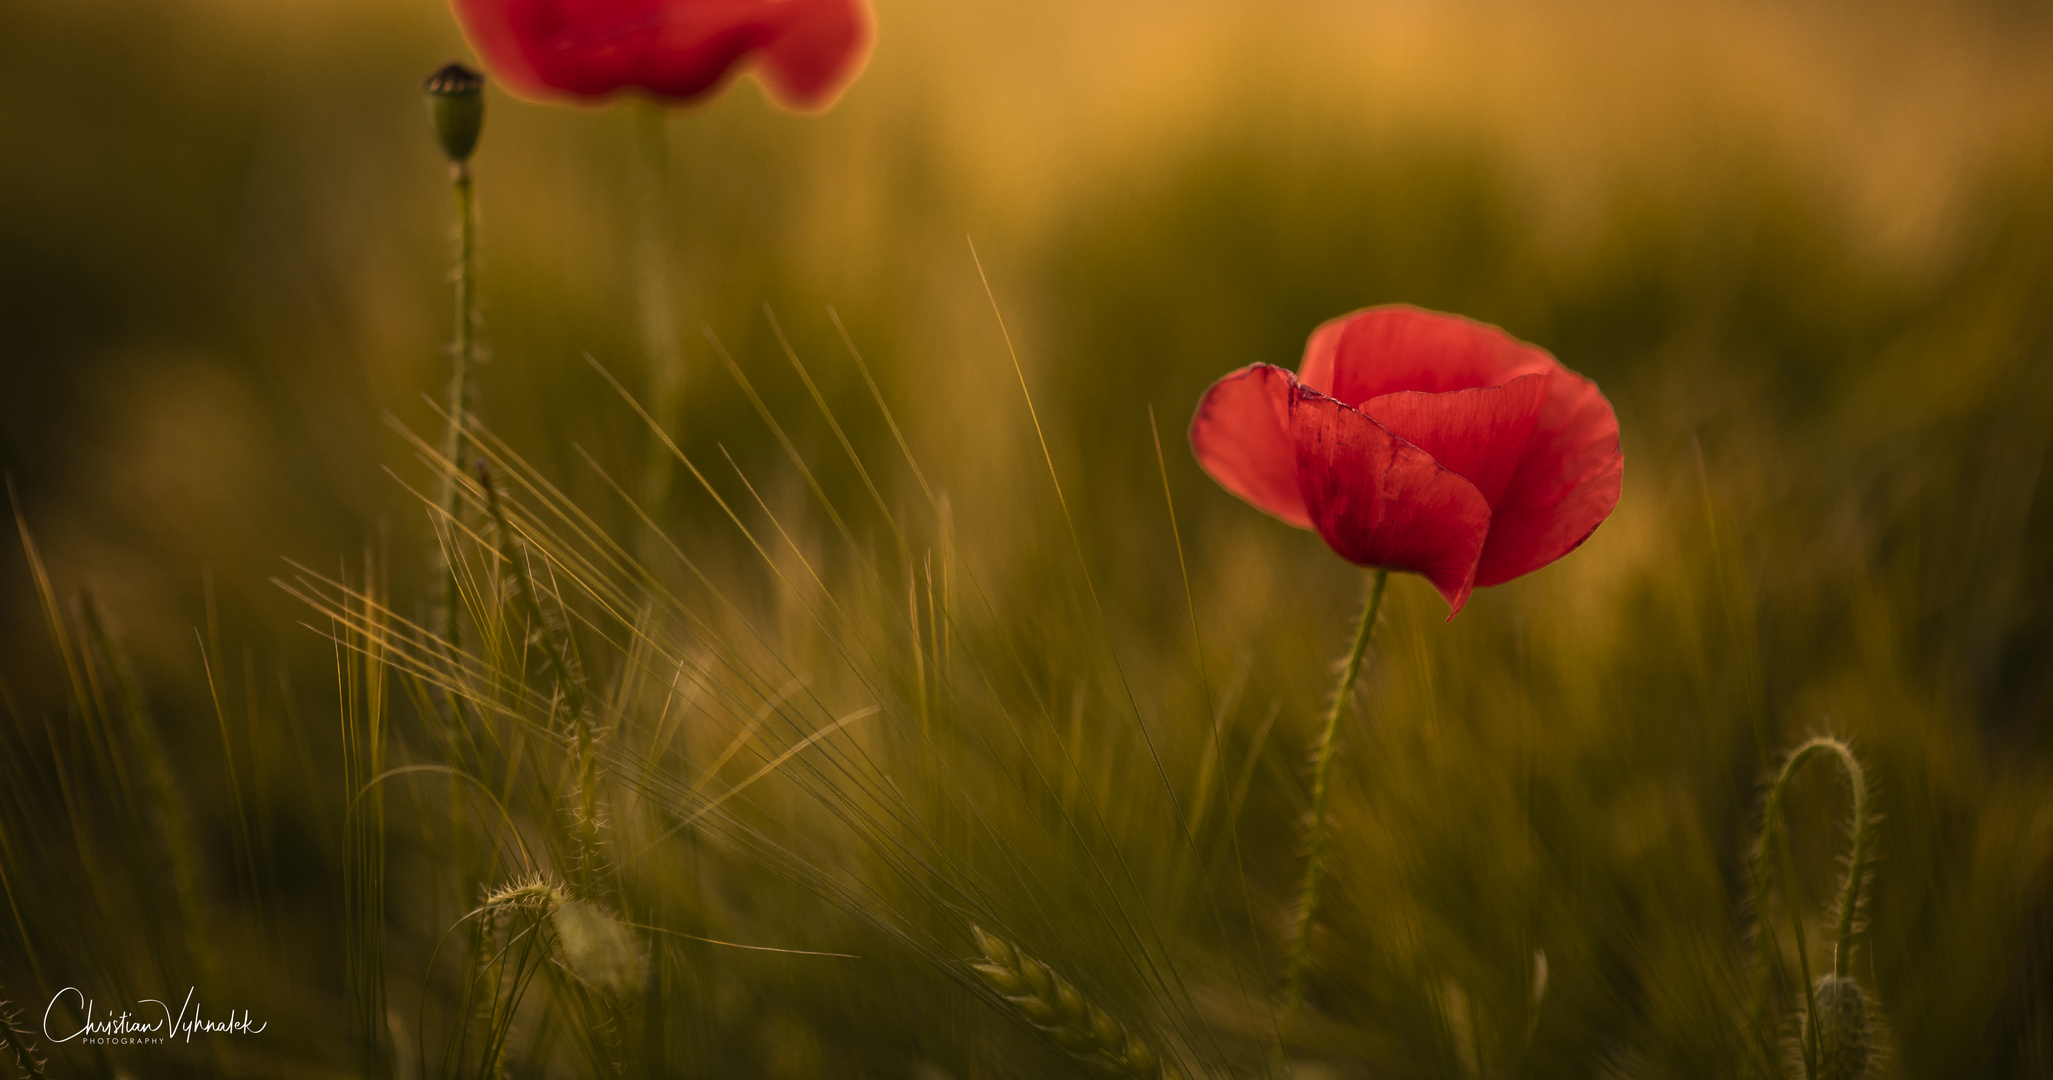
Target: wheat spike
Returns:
[1050, 1003]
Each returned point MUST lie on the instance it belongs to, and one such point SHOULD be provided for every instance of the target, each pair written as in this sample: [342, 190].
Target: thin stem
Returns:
[173, 822]
[1322, 767]
[1797, 902]
[662, 349]
[461, 358]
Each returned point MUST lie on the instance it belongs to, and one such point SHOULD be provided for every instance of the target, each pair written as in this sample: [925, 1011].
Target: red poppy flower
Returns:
[806, 50]
[1419, 441]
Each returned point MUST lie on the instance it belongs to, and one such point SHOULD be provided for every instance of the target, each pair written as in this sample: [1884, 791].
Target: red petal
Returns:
[1480, 434]
[495, 28]
[675, 49]
[1385, 350]
[1316, 371]
[1241, 435]
[1565, 486]
[699, 45]
[824, 44]
[1380, 501]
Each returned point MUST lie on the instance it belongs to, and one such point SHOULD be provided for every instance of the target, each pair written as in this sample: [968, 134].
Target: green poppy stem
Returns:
[662, 348]
[1322, 768]
[462, 356]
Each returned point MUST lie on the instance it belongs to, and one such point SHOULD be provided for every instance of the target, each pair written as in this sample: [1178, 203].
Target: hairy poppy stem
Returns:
[459, 374]
[454, 96]
[1322, 767]
[662, 348]
[1774, 839]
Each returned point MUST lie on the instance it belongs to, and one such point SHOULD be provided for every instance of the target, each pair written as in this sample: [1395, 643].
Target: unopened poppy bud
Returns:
[1845, 1036]
[456, 107]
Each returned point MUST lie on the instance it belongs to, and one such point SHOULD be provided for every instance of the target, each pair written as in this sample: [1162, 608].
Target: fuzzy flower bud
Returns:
[1845, 1036]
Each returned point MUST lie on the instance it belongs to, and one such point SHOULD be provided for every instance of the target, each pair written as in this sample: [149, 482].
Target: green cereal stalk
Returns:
[492, 1012]
[1315, 827]
[555, 651]
[593, 944]
[1843, 1035]
[485, 983]
[174, 830]
[1049, 1002]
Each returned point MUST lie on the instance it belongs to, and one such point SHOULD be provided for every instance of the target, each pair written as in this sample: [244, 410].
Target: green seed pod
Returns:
[456, 108]
[1845, 1036]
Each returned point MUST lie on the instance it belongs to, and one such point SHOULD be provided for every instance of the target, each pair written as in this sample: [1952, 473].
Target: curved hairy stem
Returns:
[1315, 828]
[1774, 840]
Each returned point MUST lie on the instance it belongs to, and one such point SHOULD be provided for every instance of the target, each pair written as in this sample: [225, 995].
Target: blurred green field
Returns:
[1806, 249]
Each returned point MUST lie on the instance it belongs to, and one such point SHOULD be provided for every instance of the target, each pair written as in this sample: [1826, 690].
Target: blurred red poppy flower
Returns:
[1418, 441]
[805, 51]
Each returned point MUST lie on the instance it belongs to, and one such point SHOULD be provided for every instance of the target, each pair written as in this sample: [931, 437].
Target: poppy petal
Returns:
[1566, 484]
[823, 45]
[1384, 350]
[675, 49]
[700, 45]
[1480, 433]
[1380, 501]
[1241, 435]
[496, 29]
[1316, 370]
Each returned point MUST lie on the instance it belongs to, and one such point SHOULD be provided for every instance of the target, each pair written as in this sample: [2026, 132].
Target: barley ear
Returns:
[1051, 1003]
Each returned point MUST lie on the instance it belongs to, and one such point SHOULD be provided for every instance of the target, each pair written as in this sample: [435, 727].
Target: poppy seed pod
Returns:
[1845, 1036]
[455, 99]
